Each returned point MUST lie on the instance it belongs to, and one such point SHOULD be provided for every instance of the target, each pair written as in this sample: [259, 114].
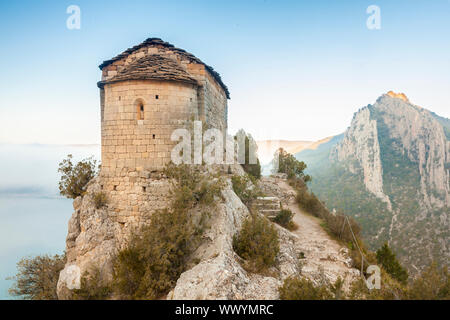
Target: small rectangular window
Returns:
[144, 189]
[140, 112]
[154, 136]
[157, 97]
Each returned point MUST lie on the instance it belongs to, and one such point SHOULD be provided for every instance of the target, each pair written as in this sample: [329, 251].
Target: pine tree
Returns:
[388, 260]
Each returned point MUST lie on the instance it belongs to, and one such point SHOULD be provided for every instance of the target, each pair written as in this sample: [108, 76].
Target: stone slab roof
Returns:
[158, 42]
[152, 67]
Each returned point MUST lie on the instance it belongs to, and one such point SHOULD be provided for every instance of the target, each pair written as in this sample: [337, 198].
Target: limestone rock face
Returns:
[360, 146]
[95, 236]
[423, 140]
[401, 153]
[413, 132]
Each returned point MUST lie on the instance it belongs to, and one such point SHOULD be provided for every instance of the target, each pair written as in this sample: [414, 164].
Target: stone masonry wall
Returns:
[143, 144]
[134, 196]
[215, 104]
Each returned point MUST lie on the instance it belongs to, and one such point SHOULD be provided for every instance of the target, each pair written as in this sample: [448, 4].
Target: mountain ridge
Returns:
[391, 168]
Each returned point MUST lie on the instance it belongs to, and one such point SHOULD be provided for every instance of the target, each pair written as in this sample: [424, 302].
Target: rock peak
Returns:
[398, 95]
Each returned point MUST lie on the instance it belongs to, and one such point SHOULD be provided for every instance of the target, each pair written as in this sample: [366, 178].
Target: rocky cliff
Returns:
[95, 237]
[392, 165]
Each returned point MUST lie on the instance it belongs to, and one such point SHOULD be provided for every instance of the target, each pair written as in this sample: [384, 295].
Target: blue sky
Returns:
[295, 69]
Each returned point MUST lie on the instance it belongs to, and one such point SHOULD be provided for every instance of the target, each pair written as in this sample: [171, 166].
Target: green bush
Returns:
[192, 187]
[92, 287]
[75, 177]
[390, 289]
[284, 219]
[257, 243]
[100, 199]
[310, 203]
[288, 164]
[387, 259]
[244, 189]
[432, 284]
[295, 288]
[150, 267]
[37, 277]
[129, 271]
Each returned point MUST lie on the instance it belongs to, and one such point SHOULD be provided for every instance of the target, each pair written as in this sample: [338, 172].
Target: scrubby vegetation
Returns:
[284, 219]
[296, 288]
[291, 166]
[151, 265]
[100, 199]
[257, 243]
[75, 177]
[92, 287]
[37, 277]
[432, 284]
[387, 259]
[245, 188]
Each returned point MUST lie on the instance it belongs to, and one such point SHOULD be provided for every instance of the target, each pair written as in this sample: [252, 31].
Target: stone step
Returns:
[269, 213]
[269, 206]
[268, 199]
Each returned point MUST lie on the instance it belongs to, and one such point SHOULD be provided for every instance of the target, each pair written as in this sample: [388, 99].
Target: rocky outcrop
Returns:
[361, 150]
[401, 154]
[414, 132]
[96, 235]
[423, 140]
[93, 240]
[220, 275]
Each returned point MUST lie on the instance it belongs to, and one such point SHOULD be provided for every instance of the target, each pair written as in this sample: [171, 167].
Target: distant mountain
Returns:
[391, 171]
[267, 148]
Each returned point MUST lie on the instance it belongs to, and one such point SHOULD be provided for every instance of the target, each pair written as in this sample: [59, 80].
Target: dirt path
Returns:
[322, 254]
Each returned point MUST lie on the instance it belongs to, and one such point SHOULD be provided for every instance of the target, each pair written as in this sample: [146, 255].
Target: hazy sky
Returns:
[295, 69]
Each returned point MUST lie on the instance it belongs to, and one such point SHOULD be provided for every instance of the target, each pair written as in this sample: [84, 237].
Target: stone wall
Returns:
[143, 144]
[215, 106]
[134, 196]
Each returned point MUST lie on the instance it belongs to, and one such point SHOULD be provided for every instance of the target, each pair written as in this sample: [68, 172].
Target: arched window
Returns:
[141, 111]
[140, 108]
